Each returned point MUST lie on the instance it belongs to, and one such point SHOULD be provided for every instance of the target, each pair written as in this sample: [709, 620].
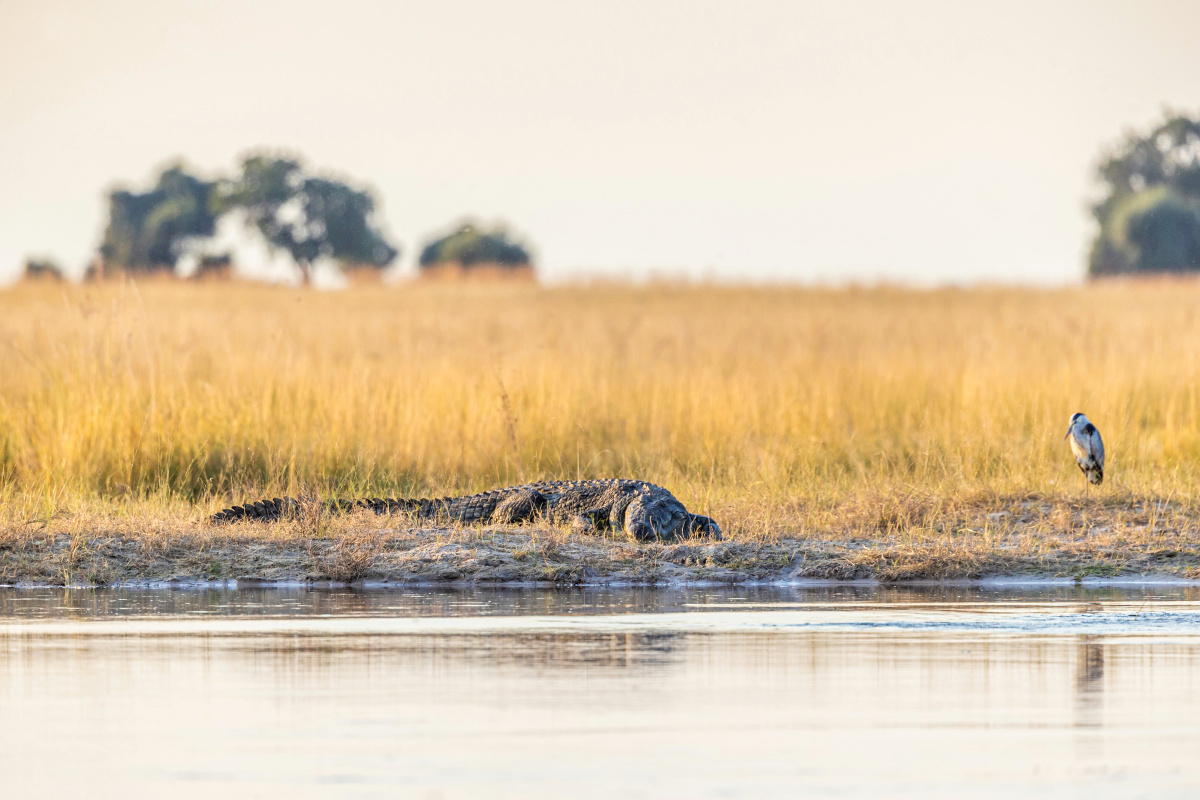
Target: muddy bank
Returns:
[547, 556]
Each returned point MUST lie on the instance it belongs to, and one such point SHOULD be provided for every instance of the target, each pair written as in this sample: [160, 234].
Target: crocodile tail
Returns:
[380, 505]
[262, 510]
[290, 507]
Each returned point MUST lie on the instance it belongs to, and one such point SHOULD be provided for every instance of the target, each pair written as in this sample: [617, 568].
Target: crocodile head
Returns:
[661, 517]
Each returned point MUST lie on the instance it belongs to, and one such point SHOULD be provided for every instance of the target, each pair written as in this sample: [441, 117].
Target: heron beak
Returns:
[1065, 435]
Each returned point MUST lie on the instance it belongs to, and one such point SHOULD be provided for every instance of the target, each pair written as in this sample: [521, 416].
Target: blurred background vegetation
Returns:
[1148, 219]
[1150, 214]
[307, 216]
[472, 247]
[193, 227]
[274, 209]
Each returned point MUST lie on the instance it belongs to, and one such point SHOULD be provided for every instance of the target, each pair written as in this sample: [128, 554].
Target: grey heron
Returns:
[1088, 448]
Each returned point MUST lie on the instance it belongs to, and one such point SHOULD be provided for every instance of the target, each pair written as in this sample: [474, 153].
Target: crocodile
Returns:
[645, 512]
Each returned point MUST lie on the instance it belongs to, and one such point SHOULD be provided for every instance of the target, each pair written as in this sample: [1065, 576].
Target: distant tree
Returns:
[262, 190]
[146, 230]
[310, 217]
[470, 247]
[43, 269]
[1150, 215]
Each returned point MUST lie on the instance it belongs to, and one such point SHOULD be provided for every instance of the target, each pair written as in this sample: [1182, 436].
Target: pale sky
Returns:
[911, 142]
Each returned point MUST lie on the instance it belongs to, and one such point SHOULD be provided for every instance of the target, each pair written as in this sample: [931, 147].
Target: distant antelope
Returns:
[1088, 449]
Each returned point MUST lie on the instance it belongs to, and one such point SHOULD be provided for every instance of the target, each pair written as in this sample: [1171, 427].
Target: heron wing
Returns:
[1096, 445]
[1079, 447]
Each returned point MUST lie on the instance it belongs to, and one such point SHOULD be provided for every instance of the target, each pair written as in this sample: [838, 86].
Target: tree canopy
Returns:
[43, 269]
[308, 216]
[1150, 215]
[471, 246]
[146, 230]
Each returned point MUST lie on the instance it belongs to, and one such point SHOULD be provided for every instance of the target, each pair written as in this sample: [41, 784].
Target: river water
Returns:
[822, 692]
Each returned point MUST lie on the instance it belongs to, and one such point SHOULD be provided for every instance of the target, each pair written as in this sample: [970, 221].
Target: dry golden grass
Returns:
[920, 423]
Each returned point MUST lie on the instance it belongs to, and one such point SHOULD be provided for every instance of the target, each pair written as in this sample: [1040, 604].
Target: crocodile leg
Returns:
[593, 520]
[518, 507]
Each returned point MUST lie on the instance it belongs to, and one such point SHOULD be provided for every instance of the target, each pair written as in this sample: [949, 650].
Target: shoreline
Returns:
[399, 558]
[1002, 582]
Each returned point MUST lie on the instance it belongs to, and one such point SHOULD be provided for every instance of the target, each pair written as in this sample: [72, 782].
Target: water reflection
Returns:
[470, 601]
[1089, 682]
[592, 711]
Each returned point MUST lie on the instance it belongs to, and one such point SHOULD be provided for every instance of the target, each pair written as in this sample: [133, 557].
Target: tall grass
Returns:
[770, 402]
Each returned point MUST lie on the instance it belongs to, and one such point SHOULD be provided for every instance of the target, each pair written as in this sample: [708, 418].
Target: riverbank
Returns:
[1071, 544]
